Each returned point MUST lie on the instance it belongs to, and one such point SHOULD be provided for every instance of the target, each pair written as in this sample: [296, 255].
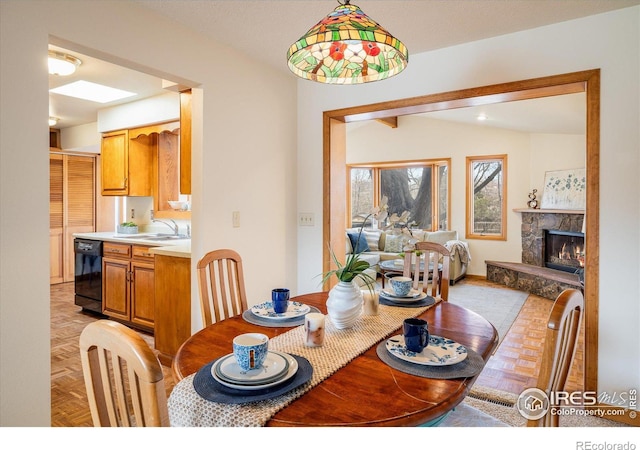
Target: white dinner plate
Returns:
[294, 309]
[275, 366]
[440, 351]
[293, 368]
[421, 296]
[413, 293]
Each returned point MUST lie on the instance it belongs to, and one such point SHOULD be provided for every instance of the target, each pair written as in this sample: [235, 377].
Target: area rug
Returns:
[500, 306]
[501, 405]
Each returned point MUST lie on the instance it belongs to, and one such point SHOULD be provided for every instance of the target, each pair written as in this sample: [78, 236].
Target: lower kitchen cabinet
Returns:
[173, 305]
[128, 285]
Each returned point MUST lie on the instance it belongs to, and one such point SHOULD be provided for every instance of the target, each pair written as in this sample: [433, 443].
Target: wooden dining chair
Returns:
[563, 329]
[435, 256]
[221, 286]
[123, 377]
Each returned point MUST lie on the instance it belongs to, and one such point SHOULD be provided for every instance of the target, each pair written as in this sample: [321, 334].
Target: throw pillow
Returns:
[394, 243]
[372, 237]
[358, 245]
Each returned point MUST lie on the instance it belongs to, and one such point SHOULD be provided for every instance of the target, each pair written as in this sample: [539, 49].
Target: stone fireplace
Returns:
[541, 232]
[552, 254]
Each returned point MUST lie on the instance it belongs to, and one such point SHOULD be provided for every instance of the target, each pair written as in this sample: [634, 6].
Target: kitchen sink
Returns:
[166, 237]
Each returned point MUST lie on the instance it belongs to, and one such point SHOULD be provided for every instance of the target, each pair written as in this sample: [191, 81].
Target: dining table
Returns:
[355, 380]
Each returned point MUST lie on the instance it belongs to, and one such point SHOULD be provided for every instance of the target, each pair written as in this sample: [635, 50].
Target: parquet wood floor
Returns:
[512, 368]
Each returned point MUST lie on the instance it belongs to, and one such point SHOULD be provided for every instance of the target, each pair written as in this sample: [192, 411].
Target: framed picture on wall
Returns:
[565, 189]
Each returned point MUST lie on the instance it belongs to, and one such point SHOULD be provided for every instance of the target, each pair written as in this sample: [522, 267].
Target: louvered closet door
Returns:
[56, 219]
[80, 209]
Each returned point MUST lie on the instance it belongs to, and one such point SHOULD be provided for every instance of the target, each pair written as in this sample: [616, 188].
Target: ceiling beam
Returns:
[389, 121]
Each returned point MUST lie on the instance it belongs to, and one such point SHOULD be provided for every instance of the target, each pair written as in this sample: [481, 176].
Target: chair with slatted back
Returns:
[560, 342]
[563, 329]
[123, 377]
[435, 268]
[221, 286]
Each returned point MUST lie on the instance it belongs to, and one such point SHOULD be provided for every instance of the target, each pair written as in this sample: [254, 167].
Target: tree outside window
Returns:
[420, 187]
[486, 197]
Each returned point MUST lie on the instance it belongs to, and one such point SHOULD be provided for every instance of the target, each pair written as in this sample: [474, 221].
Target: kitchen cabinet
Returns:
[173, 305]
[72, 187]
[185, 142]
[126, 165]
[128, 284]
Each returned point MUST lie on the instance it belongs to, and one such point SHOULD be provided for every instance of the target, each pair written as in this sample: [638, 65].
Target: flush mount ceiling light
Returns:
[62, 64]
[347, 47]
[53, 121]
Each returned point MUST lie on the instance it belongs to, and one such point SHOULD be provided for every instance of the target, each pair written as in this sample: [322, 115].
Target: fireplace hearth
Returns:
[548, 238]
[563, 250]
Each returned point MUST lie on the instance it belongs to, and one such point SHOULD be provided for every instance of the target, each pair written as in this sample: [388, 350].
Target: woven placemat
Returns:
[471, 366]
[210, 389]
[427, 301]
[250, 317]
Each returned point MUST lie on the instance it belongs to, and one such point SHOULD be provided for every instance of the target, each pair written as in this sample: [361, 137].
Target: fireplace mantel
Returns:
[549, 211]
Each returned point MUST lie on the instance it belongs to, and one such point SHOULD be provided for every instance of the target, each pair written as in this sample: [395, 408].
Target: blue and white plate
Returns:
[413, 293]
[291, 371]
[275, 366]
[410, 299]
[440, 351]
[295, 309]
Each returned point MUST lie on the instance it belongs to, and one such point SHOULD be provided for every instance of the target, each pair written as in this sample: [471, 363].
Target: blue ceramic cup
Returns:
[280, 300]
[416, 334]
[250, 350]
[401, 285]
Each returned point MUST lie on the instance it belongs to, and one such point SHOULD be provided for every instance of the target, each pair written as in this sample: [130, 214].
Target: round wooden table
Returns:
[366, 392]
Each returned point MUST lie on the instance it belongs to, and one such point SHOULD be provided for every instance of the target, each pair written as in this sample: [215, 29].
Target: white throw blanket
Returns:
[460, 248]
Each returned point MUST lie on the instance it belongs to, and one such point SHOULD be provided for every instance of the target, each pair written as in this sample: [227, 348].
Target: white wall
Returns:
[243, 159]
[555, 152]
[161, 108]
[82, 138]
[607, 41]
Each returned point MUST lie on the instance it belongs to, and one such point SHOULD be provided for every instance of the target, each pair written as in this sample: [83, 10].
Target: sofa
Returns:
[378, 245]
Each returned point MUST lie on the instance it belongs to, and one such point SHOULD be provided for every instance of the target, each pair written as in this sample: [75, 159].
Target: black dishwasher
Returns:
[88, 274]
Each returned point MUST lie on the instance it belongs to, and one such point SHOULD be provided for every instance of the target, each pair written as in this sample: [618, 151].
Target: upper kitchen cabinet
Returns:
[147, 161]
[126, 166]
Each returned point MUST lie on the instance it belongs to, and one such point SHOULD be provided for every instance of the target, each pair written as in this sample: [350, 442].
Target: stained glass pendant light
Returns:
[347, 47]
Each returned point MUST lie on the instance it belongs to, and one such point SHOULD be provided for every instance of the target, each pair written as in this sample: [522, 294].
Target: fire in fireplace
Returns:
[564, 250]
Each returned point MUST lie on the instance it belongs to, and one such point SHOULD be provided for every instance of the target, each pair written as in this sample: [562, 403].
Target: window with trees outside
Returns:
[419, 187]
[486, 197]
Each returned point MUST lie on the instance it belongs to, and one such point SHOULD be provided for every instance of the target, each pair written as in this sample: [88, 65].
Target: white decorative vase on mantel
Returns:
[344, 305]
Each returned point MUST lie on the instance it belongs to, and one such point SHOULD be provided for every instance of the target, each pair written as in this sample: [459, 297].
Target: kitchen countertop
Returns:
[172, 247]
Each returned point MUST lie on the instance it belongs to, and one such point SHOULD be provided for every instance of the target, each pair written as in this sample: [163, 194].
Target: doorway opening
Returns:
[334, 162]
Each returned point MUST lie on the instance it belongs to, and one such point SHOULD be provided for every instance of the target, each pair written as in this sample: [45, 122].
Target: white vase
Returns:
[344, 305]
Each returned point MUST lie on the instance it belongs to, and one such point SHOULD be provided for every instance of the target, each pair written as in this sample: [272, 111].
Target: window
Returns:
[486, 197]
[420, 187]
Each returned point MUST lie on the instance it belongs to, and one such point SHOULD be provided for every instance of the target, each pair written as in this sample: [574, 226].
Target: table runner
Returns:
[187, 408]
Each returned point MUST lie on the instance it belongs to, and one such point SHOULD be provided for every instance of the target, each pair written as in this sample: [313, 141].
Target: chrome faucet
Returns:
[173, 227]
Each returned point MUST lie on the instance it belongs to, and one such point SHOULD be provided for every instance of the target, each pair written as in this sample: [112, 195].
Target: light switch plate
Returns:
[235, 218]
[306, 219]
